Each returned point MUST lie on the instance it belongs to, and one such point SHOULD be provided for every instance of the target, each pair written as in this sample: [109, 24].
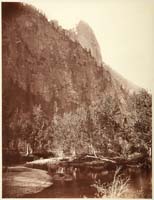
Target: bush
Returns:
[118, 188]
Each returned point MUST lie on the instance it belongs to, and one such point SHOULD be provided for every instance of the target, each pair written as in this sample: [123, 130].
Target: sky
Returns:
[123, 28]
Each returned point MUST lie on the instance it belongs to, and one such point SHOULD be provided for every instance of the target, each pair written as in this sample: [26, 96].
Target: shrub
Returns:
[118, 188]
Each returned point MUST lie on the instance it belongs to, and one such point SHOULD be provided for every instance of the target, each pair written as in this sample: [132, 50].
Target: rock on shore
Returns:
[19, 180]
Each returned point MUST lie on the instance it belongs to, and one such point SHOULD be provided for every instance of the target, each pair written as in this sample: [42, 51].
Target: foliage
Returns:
[118, 188]
[96, 128]
[33, 128]
[70, 131]
[140, 134]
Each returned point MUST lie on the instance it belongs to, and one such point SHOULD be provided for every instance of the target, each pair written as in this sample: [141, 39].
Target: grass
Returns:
[118, 188]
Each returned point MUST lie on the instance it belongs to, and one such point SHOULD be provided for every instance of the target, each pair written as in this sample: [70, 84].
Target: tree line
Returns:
[98, 128]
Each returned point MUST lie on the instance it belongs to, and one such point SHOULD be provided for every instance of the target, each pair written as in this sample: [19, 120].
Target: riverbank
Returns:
[87, 161]
[73, 177]
[20, 180]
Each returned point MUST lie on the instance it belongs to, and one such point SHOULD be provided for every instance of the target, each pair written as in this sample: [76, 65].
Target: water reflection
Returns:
[76, 182]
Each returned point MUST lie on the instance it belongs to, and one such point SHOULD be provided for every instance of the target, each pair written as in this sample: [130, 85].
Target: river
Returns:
[82, 187]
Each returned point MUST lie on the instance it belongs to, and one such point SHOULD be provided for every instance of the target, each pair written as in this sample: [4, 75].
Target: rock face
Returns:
[87, 39]
[43, 65]
[84, 34]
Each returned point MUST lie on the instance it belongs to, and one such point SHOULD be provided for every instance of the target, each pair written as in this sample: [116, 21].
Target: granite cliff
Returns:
[44, 65]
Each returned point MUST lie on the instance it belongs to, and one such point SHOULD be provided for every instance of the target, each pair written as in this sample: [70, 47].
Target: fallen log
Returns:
[101, 158]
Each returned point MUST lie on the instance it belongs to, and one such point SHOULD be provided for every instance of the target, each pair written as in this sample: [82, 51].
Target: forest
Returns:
[92, 129]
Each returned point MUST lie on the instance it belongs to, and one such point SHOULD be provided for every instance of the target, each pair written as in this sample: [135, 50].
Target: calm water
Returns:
[81, 186]
[75, 189]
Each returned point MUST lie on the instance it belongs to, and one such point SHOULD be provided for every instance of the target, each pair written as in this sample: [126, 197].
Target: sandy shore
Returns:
[20, 180]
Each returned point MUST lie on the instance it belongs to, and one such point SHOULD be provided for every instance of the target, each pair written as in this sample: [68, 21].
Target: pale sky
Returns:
[123, 28]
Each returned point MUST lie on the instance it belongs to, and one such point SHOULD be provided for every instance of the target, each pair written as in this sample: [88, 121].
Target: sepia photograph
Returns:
[77, 98]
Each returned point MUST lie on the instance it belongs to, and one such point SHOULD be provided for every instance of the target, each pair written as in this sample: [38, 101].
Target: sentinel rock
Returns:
[84, 34]
[87, 39]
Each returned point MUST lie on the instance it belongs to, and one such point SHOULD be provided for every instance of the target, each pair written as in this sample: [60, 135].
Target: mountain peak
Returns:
[83, 23]
[84, 34]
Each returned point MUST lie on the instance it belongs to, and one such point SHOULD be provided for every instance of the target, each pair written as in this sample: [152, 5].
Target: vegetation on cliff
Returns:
[56, 98]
